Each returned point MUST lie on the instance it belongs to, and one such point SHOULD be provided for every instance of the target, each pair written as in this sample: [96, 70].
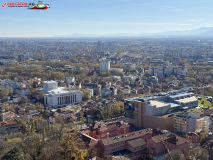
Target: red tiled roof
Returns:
[69, 111]
[136, 142]
[171, 138]
[73, 118]
[191, 134]
[126, 137]
[9, 122]
[25, 114]
[102, 126]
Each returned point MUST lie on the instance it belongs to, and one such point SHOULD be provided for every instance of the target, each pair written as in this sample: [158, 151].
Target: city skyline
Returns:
[105, 17]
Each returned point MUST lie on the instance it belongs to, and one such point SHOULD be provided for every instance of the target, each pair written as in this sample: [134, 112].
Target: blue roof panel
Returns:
[182, 94]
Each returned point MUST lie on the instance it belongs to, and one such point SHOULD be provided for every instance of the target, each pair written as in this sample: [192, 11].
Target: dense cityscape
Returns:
[106, 98]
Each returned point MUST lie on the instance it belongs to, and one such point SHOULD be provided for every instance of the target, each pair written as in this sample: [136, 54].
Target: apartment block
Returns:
[140, 144]
[138, 115]
[193, 138]
[132, 145]
[184, 122]
[158, 110]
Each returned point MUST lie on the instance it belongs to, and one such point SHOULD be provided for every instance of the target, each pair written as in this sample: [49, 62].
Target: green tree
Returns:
[94, 74]
[211, 91]
[20, 121]
[90, 120]
[117, 109]
[174, 155]
[103, 74]
[99, 116]
[172, 78]
[204, 135]
[39, 107]
[5, 92]
[146, 66]
[70, 147]
[86, 95]
[82, 119]
[66, 70]
[58, 75]
[198, 153]
[192, 80]
[33, 91]
[191, 73]
[41, 97]
[13, 154]
[32, 145]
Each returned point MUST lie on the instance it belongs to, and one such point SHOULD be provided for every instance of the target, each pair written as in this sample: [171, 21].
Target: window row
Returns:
[67, 99]
[117, 149]
[139, 148]
[116, 144]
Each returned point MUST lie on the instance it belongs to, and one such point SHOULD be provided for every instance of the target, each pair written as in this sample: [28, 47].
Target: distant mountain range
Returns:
[196, 32]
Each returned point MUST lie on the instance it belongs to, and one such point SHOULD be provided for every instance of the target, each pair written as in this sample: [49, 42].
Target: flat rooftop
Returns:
[50, 81]
[186, 100]
[59, 90]
[158, 103]
[172, 94]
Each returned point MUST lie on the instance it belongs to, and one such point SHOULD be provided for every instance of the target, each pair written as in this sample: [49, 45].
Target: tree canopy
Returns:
[13, 154]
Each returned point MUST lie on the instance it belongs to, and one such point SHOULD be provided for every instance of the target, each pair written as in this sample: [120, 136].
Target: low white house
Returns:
[23, 92]
[105, 92]
[111, 90]
[65, 113]
[14, 99]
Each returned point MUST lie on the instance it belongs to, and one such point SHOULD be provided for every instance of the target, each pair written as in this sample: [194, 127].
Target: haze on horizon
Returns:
[67, 17]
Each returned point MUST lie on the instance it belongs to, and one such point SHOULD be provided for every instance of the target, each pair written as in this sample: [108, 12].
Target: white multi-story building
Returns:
[167, 71]
[104, 65]
[58, 96]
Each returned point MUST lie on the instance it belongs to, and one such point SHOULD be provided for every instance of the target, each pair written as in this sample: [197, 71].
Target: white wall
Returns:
[52, 99]
[50, 85]
[104, 65]
[70, 80]
[151, 110]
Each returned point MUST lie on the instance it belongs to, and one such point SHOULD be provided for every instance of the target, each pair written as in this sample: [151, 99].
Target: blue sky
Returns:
[104, 17]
